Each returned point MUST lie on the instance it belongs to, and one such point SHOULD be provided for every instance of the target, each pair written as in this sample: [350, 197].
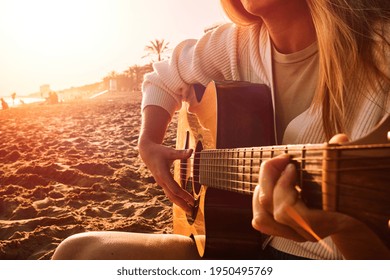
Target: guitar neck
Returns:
[324, 171]
[352, 179]
[238, 169]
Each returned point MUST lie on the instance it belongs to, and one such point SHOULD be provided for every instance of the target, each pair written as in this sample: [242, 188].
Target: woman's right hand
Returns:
[159, 158]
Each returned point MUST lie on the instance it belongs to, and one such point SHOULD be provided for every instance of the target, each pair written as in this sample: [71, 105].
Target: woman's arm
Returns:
[159, 158]
[212, 57]
[193, 61]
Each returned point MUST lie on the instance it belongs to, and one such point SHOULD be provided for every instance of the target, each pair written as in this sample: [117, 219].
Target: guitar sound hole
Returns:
[184, 165]
[193, 185]
[191, 217]
[197, 185]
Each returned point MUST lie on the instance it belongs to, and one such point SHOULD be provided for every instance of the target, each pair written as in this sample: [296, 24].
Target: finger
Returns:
[289, 208]
[264, 222]
[285, 195]
[269, 173]
[186, 207]
[278, 221]
[174, 154]
[174, 192]
[339, 138]
[179, 192]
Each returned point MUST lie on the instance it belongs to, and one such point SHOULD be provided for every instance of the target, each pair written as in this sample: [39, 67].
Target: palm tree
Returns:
[135, 74]
[157, 48]
[113, 74]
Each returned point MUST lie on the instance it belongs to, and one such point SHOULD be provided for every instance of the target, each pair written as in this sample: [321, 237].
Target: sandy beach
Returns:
[74, 167]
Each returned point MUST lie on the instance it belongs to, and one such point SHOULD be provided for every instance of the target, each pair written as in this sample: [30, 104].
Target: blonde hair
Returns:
[352, 44]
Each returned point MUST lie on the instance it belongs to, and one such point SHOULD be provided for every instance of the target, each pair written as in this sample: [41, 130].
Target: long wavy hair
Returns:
[352, 46]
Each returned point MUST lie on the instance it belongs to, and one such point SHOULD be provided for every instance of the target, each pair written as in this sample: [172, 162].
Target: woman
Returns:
[326, 62]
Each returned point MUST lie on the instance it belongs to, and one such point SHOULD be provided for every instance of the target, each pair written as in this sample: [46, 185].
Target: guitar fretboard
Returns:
[238, 169]
[319, 168]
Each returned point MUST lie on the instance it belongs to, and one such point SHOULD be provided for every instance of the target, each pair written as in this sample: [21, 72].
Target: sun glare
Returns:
[53, 39]
[46, 26]
[74, 42]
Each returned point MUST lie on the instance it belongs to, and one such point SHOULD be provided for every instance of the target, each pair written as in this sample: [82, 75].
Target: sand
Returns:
[74, 167]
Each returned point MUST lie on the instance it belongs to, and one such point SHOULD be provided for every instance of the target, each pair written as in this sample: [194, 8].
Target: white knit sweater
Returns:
[245, 53]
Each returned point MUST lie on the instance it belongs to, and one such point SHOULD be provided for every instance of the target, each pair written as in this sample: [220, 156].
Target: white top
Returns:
[295, 80]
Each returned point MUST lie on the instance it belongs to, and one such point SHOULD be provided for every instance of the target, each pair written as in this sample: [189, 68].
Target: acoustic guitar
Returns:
[230, 127]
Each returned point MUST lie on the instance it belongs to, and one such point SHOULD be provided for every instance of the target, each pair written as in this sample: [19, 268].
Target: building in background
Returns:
[44, 90]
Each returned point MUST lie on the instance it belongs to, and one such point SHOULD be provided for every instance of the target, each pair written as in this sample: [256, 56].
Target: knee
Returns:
[75, 247]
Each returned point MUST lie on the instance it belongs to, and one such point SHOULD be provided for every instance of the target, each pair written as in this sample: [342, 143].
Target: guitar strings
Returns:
[247, 186]
[245, 166]
[273, 154]
[256, 162]
[249, 169]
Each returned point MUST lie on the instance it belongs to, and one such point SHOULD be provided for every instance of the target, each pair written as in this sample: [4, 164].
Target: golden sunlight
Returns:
[67, 43]
[45, 26]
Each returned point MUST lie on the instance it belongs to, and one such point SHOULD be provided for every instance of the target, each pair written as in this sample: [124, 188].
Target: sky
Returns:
[67, 43]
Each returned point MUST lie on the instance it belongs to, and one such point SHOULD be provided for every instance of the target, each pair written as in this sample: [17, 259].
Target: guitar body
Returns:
[224, 115]
[229, 125]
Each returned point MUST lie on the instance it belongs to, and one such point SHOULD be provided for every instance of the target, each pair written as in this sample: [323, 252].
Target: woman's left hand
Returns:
[278, 210]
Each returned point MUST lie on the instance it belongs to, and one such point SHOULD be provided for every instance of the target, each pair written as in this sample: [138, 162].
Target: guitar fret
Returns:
[239, 170]
[243, 171]
[248, 171]
[311, 174]
[232, 168]
[228, 175]
[228, 169]
[302, 164]
[223, 167]
[215, 170]
[251, 171]
[237, 173]
[257, 166]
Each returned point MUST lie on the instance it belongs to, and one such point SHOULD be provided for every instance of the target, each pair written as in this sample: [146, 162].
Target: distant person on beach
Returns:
[327, 65]
[13, 95]
[53, 98]
[4, 104]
